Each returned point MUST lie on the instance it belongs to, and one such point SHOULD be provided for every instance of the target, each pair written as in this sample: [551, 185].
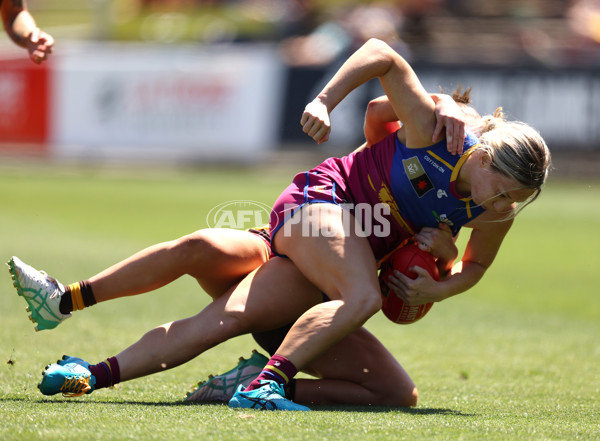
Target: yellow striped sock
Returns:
[278, 372]
[76, 297]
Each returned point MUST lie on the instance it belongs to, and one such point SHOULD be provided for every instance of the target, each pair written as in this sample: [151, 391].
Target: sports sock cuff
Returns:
[87, 293]
[282, 367]
[107, 373]
[278, 369]
[76, 298]
[115, 371]
[102, 374]
[66, 303]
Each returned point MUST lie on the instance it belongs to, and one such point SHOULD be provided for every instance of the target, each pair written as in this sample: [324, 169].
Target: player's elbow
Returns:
[381, 54]
[374, 106]
[376, 110]
[378, 47]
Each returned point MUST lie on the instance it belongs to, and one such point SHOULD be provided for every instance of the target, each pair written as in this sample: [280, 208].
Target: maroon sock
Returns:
[107, 373]
[278, 369]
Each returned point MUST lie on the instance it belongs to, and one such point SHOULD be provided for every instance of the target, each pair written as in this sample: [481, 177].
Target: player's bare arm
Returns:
[23, 31]
[375, 59]
[381, 120]
[485, 241]
[481, 250]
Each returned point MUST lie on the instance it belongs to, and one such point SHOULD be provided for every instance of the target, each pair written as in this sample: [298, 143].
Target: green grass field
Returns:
[517, 358]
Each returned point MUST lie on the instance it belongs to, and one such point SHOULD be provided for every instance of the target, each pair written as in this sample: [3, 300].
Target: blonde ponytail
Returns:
[492, 122]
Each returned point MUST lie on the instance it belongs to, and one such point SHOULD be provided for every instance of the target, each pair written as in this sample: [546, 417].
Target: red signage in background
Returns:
[24, 106]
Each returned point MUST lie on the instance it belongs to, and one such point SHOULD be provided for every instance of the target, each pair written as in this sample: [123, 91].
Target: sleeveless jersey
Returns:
[417, 186]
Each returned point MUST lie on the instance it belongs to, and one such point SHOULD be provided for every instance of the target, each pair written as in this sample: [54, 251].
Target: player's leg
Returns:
[217, 258]
[341, 264]
[357, 370]
[273, 295]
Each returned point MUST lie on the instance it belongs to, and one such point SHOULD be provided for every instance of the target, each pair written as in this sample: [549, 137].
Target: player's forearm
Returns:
[371, 60]
[462, 277]
[444, 267]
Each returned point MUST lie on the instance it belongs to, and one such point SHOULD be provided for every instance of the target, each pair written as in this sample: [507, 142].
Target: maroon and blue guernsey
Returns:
[392, 190]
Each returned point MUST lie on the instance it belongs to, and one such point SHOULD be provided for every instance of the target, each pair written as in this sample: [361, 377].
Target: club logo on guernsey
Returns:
[417, 176]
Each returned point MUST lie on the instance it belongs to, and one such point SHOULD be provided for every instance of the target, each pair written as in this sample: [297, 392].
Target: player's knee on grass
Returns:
[389, 385]
[407, 397]
[395, 396]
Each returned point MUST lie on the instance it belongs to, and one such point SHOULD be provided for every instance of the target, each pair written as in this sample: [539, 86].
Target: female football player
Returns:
[327, 222]
[400, 187]
[219, 259]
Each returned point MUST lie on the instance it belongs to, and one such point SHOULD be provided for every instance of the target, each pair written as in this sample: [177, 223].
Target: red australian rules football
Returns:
[402, 259]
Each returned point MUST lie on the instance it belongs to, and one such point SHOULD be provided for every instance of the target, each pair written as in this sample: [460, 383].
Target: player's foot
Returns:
[41, 292]
[221, 388]
[69, 376]
[270, 396]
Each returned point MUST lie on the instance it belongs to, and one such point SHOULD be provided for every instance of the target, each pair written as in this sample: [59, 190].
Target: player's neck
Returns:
[463, 181]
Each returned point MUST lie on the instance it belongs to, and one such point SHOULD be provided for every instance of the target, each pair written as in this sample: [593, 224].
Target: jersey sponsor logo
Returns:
[441, 194]
[417, 176]
[434, 164]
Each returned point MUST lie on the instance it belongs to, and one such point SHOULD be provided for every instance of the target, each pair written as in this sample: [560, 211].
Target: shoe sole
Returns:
[258, 404]
[263, 404]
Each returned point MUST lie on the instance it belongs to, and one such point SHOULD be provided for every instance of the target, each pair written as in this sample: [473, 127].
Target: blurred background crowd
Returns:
[158, 79]
[314, 32]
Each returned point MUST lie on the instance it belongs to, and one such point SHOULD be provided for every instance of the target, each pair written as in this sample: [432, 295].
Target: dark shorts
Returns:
[271, 340]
